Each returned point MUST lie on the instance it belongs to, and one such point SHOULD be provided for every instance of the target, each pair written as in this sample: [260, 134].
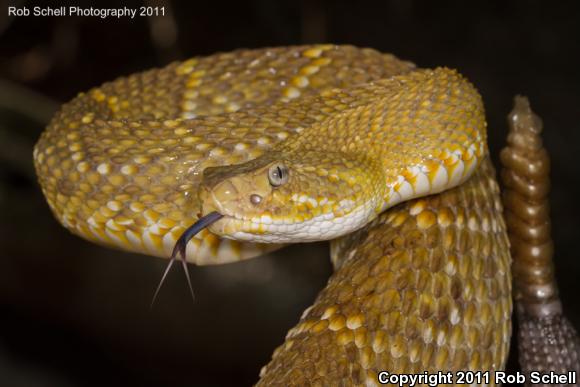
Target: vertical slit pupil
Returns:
[277, 175]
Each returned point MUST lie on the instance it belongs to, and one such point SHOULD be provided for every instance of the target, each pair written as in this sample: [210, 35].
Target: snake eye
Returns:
[278, 175]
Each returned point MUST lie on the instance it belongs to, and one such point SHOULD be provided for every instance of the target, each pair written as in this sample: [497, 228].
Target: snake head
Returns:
[280, 198]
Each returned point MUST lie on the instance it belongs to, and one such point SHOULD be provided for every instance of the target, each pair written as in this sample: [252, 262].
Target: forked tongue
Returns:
[180, 246]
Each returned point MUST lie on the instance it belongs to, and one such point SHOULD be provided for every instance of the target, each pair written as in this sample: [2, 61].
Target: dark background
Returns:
[75, 314]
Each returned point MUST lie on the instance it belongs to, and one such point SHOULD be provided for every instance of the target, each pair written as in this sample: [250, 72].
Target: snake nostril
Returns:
[255, 199]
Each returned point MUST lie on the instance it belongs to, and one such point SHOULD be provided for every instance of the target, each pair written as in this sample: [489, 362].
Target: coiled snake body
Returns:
[299, 144]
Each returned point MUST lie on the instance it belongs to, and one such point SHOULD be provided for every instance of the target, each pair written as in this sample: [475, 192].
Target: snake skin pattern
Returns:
[425, 286]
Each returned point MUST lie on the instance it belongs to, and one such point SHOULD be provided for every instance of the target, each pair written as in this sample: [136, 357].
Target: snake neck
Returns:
[424, 132]
[395, 140]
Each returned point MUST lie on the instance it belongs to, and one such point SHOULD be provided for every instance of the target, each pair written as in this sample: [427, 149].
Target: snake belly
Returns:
[424, 286]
